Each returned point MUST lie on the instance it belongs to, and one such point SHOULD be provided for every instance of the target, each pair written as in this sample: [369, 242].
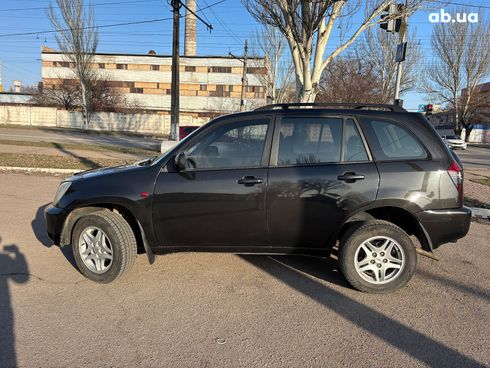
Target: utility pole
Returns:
[175, 84]
[244, 74]
[401, 51]
[244, 77]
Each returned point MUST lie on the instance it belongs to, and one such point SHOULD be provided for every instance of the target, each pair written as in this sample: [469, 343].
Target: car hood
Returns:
[108, 170]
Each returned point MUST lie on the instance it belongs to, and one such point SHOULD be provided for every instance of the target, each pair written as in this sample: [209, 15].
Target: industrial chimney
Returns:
[190, 29]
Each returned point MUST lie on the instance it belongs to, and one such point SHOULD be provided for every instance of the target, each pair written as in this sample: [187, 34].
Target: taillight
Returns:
[456, 174]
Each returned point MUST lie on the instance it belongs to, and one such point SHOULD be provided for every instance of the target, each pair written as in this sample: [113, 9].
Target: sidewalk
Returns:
[474, 190]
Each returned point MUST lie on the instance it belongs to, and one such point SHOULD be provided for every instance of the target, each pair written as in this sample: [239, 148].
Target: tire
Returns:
[115, 240]
[366, 265]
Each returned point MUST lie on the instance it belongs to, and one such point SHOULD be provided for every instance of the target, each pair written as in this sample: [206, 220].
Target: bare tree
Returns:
[270, 43]
[349, 79]
[308, 26]
[377, 49]
[462, 52]
[77, 38]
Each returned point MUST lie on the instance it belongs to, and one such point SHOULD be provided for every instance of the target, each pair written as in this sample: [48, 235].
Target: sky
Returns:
[20, 54]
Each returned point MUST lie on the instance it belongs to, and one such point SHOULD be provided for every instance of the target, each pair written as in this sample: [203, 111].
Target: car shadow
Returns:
[404, 338]
[13, 269]
[38, 226]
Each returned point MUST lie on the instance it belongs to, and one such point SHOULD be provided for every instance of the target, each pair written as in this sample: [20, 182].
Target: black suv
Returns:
[283, 179]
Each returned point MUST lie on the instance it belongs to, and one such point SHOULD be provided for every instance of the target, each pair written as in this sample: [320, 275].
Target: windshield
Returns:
[164, 154]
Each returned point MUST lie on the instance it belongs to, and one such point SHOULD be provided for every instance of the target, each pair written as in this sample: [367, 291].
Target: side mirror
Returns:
[180, 161]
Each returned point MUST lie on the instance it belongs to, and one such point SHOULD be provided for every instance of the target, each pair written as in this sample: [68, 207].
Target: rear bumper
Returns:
[54, 218]
[444, 226]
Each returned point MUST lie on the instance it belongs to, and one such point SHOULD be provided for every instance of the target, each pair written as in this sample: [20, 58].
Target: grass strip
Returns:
[55, 162]
[484, 181]
[84, 147]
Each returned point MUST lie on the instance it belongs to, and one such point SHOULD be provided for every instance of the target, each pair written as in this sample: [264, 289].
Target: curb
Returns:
[39, 170]
[480, 213]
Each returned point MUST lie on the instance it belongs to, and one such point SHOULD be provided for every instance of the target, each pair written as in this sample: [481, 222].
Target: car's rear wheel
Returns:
[104, 246]
[377, 257]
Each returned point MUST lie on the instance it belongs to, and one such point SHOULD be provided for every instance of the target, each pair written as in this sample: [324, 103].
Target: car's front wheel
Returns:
[104, 246]
[377, 257]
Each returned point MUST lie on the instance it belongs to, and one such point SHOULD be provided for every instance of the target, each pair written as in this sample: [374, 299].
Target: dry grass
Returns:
[55, 162]
[79, 146]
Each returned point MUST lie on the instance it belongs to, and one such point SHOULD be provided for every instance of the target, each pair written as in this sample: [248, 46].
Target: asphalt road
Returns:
[222, 310]
[56, 135]
[475, 157]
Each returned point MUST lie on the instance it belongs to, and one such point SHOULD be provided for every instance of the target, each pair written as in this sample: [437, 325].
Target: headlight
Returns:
[61, 191]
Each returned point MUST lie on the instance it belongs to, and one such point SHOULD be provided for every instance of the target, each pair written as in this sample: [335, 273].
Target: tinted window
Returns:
[230, 146]
[395, 142]
[309, 141]
[354, 149]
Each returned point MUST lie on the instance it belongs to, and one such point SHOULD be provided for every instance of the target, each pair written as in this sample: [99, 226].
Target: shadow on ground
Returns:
[13, 269]
[298, 275]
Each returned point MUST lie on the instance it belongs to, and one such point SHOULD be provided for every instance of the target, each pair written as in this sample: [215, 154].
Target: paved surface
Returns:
[475, 157]
[477, 191]
[221, 310]
[74, 136]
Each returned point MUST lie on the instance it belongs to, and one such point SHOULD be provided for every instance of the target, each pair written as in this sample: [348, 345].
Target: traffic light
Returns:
[428, 110]
[387, 21]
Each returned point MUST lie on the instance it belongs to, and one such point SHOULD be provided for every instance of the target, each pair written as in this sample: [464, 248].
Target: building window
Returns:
[220, 91]
[168, 91]
[136, 90]
[203, 87]
[158, 85]
[255, 70]
[154, 67]
[219, 69]
[122, 66]
[101, 66]
[190, 68]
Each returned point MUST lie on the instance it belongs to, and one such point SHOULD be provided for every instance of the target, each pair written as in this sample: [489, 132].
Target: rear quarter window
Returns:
[390, 141]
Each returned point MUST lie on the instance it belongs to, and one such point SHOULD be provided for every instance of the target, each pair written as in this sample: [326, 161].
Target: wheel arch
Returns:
[78, 213]
[401, 217]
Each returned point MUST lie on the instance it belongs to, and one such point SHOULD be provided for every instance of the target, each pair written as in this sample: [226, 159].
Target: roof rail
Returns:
[359, 106]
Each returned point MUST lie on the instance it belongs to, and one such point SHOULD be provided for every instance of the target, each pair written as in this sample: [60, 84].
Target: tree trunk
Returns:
[85, 106]
[308, 96]
[468, 128]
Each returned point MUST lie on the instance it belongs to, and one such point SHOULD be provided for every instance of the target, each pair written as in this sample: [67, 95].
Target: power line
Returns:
[105, 25]
[461, 4]
[92, 27]
[95, 5]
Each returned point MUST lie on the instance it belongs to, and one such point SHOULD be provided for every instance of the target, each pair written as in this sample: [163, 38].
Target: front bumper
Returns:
[54, 218]
[444, 226]
[457, 145]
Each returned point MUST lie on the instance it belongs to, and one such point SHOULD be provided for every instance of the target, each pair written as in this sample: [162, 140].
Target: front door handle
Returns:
[350, 176]
[250, 180]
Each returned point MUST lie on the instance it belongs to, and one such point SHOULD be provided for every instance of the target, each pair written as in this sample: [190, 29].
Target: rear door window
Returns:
[309, 140]
[354, 149]
[393, 142]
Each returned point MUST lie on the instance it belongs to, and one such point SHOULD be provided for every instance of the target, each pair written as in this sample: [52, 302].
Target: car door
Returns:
[320, 173]
[220, 198]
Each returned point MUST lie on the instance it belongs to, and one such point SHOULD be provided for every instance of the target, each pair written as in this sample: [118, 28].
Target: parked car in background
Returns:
[184, 131]
[453, 142]
[356, 180]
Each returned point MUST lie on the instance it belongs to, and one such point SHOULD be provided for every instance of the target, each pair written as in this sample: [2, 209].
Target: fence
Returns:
[36, 116]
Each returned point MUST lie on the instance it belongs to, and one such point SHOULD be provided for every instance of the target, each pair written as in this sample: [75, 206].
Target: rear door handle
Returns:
[350, 176]
[250, 180]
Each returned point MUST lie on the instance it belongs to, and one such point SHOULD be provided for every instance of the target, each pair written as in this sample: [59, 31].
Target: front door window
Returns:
[238, 145]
